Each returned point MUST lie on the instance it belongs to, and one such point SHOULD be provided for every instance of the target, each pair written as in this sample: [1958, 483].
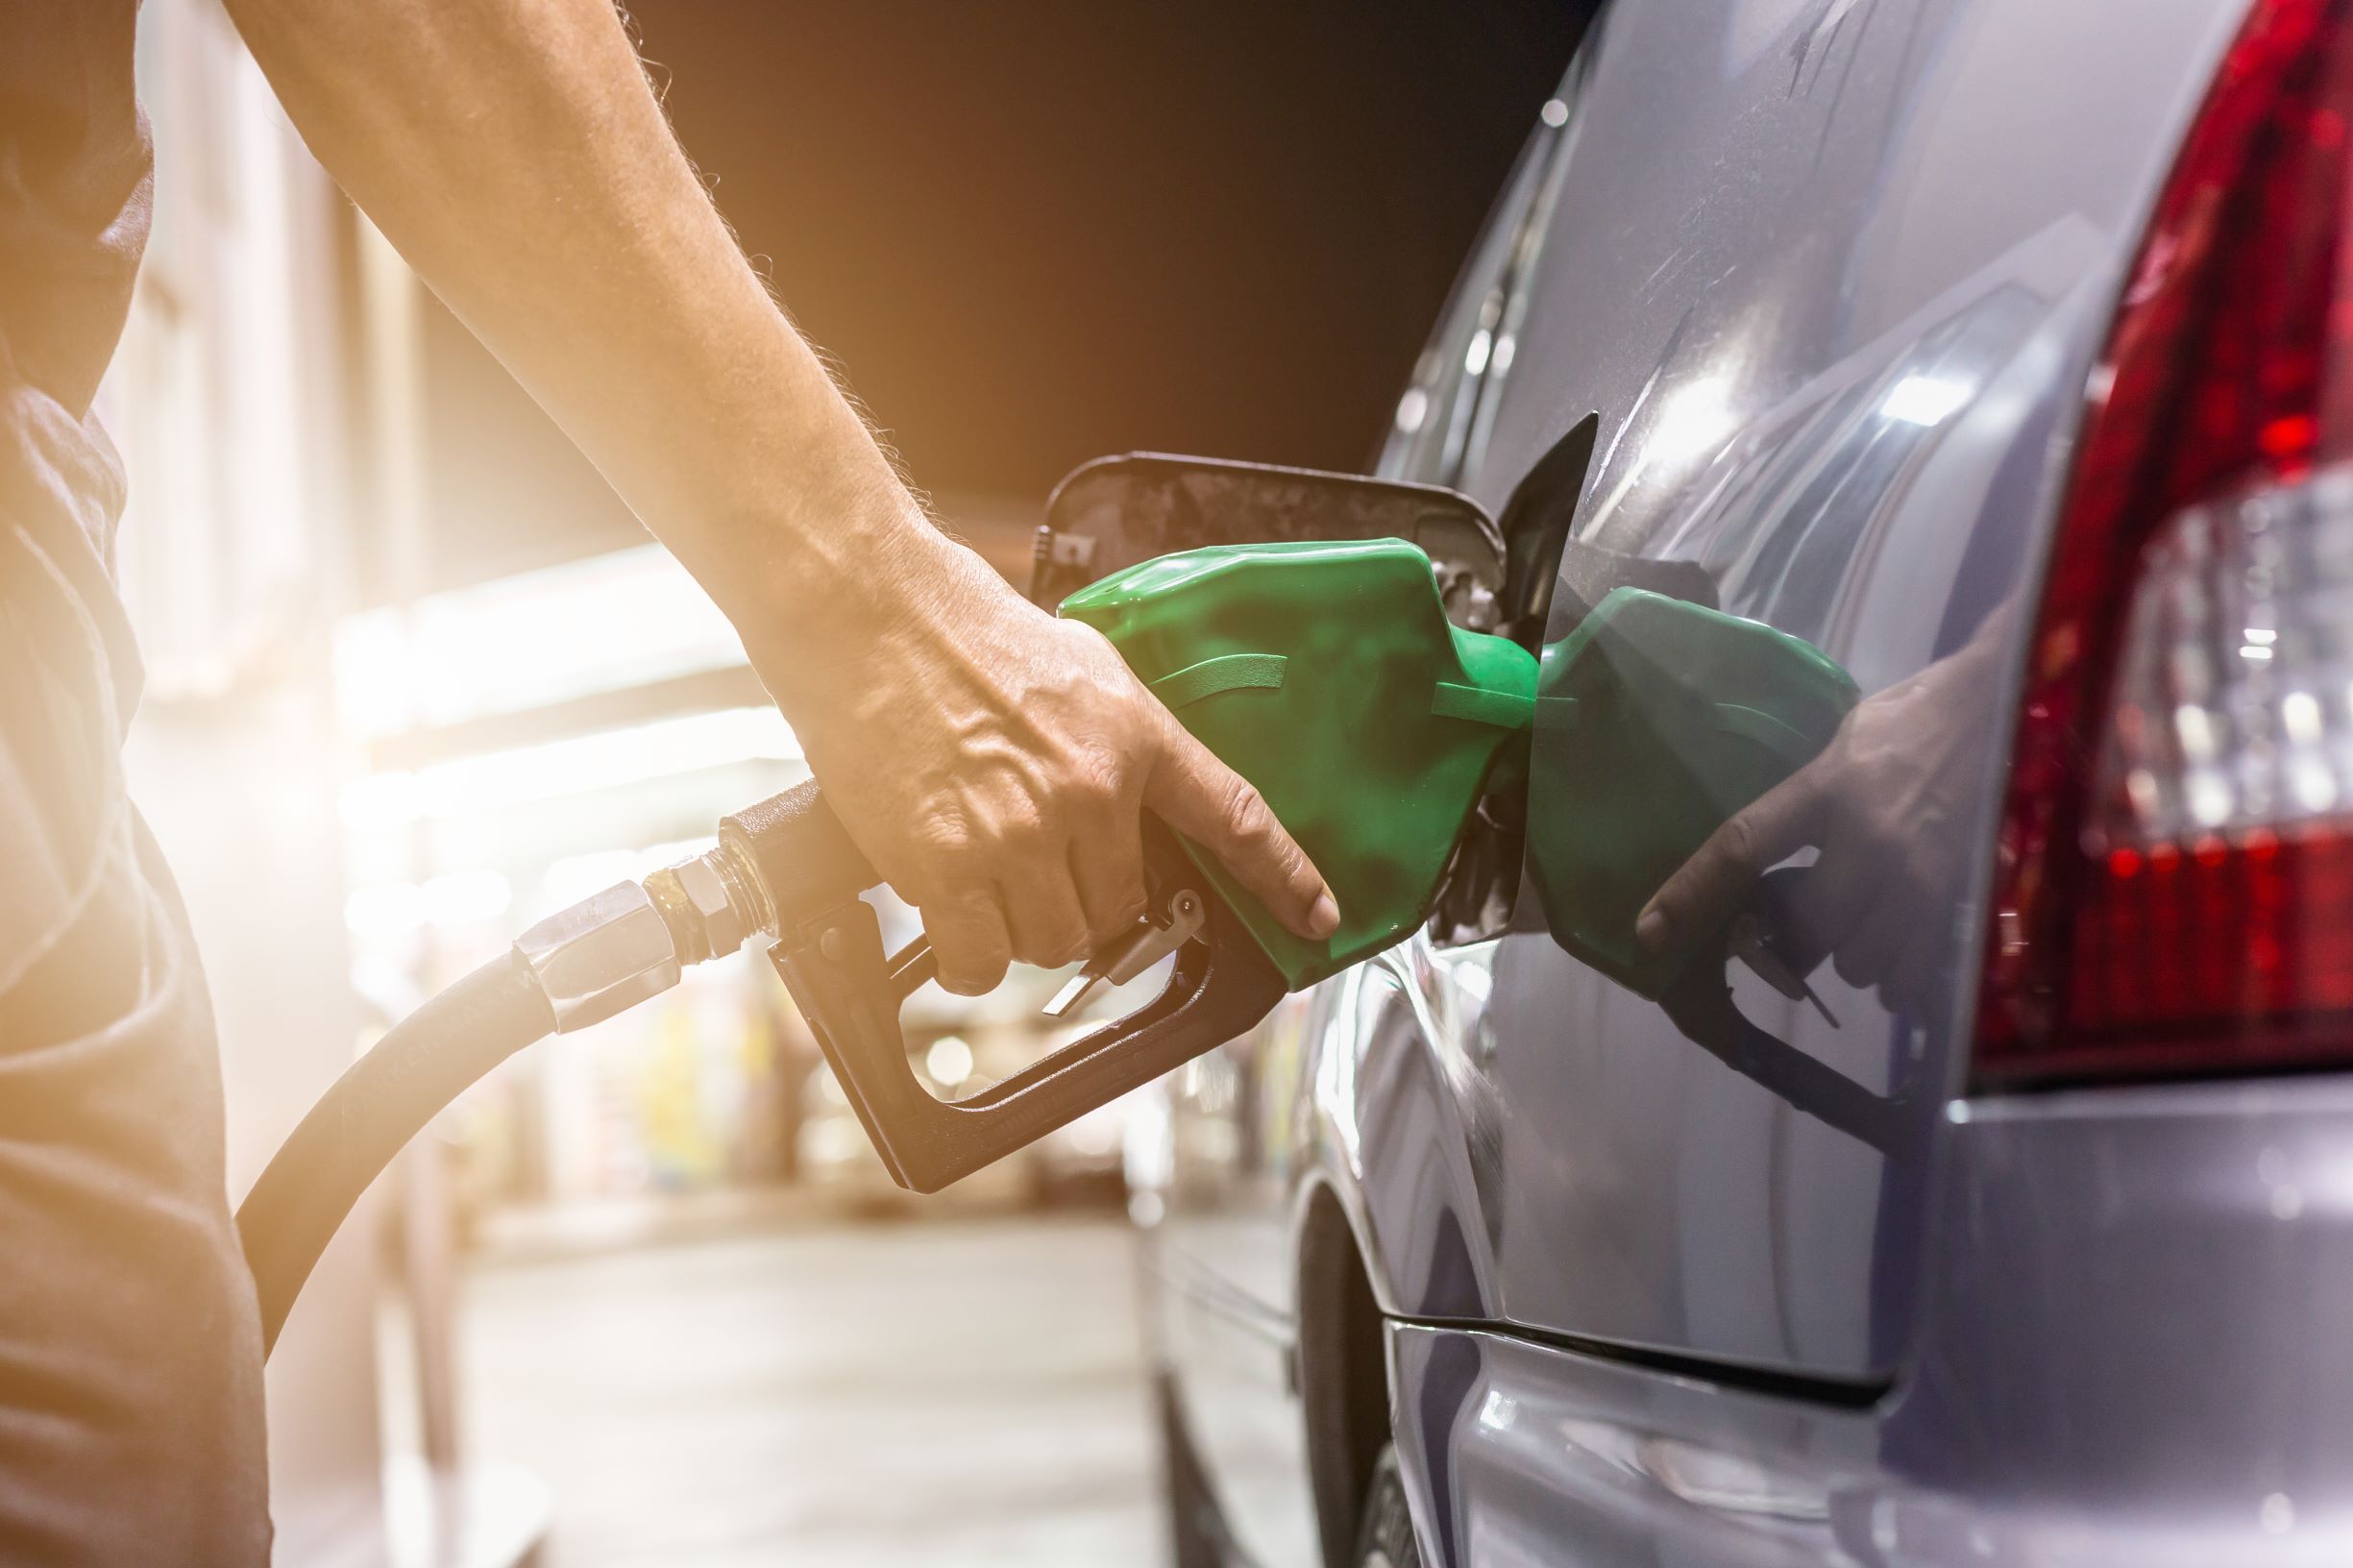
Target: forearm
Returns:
[513, 153]
[993, 762]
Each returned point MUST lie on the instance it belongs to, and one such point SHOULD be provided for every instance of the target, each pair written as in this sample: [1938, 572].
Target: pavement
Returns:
[944, 1393]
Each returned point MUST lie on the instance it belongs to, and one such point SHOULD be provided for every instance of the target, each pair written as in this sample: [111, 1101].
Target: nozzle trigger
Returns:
[1149, 941]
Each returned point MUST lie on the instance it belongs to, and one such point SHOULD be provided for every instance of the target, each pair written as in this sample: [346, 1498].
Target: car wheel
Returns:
[1384, 1539]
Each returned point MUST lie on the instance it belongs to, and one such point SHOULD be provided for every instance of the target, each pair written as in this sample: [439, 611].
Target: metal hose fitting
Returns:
[712, 903]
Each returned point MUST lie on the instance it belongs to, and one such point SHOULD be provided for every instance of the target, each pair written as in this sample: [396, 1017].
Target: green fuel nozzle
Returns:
[1328, 676]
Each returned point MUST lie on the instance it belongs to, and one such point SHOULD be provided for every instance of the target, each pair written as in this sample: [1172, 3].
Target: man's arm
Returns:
[990, 759]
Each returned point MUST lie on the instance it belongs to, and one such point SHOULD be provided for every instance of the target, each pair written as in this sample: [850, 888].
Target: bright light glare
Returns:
[950, 1060]
[575, 877]
[391, 909]
[1474, 356]
[2195, 726]
[574, 766]
[2209, 798]
[466, 897]
[656, 856]
[2299, 714]
[1692, 419]
[523, 642]
[1101, 1130]
[1553, 114]
[379, 801]
[1924, 400]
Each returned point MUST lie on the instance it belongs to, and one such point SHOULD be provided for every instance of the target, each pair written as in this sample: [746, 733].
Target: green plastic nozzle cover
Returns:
[1656, 722]
[1328, 676]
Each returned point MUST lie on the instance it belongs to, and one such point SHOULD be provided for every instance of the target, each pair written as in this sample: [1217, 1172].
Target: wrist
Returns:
[870, 592]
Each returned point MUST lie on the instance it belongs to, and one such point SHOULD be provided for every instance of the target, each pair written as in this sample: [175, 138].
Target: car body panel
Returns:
[1834, 274]
[2082, 1395]
[1852, 213]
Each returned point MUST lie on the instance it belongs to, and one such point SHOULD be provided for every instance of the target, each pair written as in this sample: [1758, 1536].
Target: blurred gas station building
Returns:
[414, 679]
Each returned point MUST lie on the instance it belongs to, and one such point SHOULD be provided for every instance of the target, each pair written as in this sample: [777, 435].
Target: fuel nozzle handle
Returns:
[785, 869]
[799, 855]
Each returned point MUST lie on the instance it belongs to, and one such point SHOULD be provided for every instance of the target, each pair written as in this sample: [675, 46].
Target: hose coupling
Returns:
[712, 903]
[606, 953]
[613, 950]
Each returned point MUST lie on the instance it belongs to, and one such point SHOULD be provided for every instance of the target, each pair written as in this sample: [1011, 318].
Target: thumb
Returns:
[1216, 807]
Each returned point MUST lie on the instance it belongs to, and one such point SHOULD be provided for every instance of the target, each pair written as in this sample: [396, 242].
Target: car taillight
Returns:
[2174, 890]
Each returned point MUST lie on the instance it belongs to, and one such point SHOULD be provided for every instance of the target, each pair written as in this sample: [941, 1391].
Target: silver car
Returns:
[1999, 348]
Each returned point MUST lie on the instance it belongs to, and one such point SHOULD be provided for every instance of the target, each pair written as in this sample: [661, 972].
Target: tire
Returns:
[1384, 1538]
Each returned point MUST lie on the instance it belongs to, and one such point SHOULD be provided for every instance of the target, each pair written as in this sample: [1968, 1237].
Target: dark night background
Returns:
[1034, 234]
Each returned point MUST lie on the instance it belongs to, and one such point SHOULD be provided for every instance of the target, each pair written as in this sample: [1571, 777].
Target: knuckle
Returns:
[1099, 782]
[1025, 839]
[1111, 898]
[958, 903]
[1110, 916]
[972, 976]
[970, 958]
[1052, 949]
[1742, 847]
[1674, 893]
[1026, 829]
[944, 836]
[1253, 826]
[952, 962]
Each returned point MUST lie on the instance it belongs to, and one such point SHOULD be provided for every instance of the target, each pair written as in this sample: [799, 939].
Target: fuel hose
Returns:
[389, 1095]
[773, 865]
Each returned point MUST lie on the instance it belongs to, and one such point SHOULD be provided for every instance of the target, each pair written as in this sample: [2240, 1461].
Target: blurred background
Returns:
[416, 678]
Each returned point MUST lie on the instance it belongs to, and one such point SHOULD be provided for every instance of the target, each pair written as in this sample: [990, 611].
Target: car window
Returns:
[1435, 432]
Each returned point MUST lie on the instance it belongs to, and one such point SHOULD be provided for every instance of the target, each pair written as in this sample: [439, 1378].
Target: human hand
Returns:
[993, 761]
[1884, 802]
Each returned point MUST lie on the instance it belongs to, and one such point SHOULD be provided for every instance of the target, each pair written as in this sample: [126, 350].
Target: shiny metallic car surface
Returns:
[1831, 275]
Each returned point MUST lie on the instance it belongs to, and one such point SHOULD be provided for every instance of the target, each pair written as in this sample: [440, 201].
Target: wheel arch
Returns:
[1340, 1367]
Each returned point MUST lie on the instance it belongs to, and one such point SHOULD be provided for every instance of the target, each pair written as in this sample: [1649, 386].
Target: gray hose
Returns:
[778, 861]
[421, 1065]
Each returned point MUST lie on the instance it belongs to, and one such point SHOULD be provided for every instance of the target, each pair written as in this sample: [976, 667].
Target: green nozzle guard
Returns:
[1657, 722]
[1327, 674]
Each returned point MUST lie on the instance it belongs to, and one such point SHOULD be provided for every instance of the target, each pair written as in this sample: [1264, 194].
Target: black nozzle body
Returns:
[804, 859]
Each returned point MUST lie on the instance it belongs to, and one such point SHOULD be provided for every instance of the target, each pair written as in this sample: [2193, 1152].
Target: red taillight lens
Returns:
[2175, 884]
